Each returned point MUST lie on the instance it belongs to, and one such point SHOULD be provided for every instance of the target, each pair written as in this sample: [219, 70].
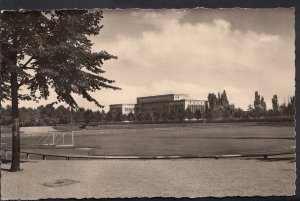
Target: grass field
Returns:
[194, 140]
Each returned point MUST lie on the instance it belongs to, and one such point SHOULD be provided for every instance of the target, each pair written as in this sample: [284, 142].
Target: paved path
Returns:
[149, 178]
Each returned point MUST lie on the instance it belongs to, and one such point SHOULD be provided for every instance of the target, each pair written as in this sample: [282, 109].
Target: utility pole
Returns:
[204, 113]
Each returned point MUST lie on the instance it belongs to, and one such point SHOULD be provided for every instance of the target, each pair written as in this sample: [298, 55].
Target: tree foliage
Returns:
[259, 106]
[43, 50]
[52, 50]
[275, 105]
[219, 106]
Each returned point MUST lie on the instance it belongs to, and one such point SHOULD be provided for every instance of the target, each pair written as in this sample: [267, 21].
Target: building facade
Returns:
[192, 105]
[156, 104]
[121, 109]
[160, 104]
[168, 103]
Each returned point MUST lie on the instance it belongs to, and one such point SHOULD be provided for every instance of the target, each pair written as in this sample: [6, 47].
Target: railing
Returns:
[68, 157]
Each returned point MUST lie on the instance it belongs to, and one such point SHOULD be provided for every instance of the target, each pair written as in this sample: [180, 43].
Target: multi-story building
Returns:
[183, 105]
[168, 103]
[159, 104]
[177, 103]
[120, 109]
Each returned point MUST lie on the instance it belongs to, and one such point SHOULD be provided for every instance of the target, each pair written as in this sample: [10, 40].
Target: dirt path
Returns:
[149, 178]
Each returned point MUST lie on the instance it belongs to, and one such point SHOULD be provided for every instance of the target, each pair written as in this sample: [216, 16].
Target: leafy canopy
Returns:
[52, 50]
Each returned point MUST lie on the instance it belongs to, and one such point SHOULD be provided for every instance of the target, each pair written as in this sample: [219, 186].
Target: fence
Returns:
[68, 157]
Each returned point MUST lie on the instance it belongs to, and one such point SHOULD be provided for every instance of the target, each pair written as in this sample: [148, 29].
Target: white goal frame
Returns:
[56, 139]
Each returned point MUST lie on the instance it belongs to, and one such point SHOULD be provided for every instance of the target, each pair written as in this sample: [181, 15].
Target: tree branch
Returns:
[31, 68]
[25, 81]
[24, 66]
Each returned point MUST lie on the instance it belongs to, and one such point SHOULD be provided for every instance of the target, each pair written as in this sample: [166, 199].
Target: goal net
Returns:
[58, 139]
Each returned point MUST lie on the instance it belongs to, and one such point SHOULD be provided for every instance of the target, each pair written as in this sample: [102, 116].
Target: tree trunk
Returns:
[15, 163]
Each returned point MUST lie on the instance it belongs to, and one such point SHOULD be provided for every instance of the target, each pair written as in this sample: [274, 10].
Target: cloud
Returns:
[194, 58]
[202, 58]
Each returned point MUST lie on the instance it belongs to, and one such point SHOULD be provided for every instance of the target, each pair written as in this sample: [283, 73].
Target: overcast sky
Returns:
[196, 52]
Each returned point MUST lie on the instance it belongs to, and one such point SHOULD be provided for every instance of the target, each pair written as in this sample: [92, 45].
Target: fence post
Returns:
[27, 156]
[5, 154]
[44, 157]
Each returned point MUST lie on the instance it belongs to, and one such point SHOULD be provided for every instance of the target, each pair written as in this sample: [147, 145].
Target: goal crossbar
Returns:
[58, 139]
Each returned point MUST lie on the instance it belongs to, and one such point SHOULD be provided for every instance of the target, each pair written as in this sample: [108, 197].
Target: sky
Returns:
[196, 52]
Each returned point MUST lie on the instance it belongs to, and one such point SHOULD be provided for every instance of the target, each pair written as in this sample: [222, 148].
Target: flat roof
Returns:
[189, 100]
[122, 104]
[163, 95]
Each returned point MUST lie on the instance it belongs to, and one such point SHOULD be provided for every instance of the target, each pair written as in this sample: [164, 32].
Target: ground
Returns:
[163, 178]
[149, 178]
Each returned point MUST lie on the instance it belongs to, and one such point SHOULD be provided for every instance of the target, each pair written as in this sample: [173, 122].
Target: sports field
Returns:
[200, 139]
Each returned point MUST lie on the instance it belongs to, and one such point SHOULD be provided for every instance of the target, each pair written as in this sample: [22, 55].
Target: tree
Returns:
[139, 116]
[6, 115]
[164, 116]
[108, 117]
[275, 105]
[290, 108]
[172, 115]
[98, 116]
[117, 116]
[260, 106]
[181, 115]
[256, 101]
[48, 114]
[156, 116]
[42, 50]
[212, 104]
[263, 104]
[238, 113]
[88, 116]
[212, 100]
[124, 117]
[130, 117]
[198, 114]
[229, 111]
[62, 114]
[103, 115]
[79, 114]
[223, 99]
[188, 114]
[218, 105]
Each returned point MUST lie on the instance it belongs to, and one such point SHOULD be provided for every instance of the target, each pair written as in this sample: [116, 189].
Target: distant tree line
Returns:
[49, 115]
[218, 107]
[259, 108]
[154, 117]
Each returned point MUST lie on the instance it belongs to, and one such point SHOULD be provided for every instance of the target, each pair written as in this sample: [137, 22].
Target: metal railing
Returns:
[68, 157]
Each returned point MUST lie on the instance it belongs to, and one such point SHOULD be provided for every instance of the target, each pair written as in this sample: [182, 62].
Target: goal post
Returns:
[57, 139]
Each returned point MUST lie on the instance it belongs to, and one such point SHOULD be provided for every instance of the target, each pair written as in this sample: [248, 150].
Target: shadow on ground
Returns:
[4, 161]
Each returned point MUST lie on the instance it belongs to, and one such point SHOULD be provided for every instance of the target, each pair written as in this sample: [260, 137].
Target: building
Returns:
[183, 105]
[121, 109]
[158, 104]
[150, 106]
[168, 103]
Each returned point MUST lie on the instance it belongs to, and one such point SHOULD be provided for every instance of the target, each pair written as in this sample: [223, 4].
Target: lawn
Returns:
[175, 140]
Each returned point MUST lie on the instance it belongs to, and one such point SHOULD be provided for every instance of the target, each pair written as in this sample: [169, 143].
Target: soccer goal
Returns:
[58, 139]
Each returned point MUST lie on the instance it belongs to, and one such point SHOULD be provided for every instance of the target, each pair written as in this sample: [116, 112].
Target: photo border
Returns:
[177, 4]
